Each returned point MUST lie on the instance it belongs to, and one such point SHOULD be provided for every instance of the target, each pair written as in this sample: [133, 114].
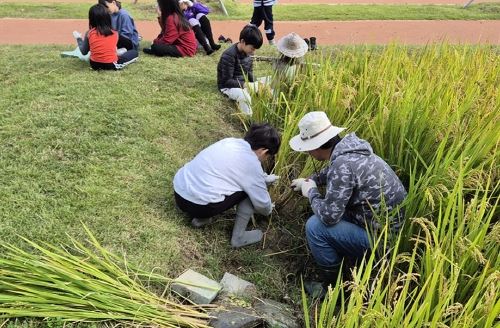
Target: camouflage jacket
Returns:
[358, 183]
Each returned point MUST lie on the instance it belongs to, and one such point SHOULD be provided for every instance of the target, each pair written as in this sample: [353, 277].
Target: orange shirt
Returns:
[103, 48]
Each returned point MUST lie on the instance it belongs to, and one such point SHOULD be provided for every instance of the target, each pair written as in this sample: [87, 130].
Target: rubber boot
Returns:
[327, 276]
[207, 29]
[240, 236]
[313, 45]
[200, 36]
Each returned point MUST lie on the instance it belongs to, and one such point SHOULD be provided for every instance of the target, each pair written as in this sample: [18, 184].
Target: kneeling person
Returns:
[359, 184]
[226, 174]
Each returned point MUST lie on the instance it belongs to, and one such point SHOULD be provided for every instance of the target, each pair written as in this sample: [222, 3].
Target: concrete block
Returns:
[235, 317]
[196, 287]
[233, 285]
[275, 314]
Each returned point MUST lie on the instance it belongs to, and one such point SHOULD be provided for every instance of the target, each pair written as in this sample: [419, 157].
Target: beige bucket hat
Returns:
[292, 45]
[315, 130]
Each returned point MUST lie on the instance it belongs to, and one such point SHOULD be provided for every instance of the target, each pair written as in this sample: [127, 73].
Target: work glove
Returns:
[307, 185]
[270, 178]
[297, 184]
[77, 35]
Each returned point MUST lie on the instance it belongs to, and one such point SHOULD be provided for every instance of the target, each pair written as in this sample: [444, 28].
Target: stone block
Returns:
[275, 314]
[233, 285]
[235, 317]
[196, 287]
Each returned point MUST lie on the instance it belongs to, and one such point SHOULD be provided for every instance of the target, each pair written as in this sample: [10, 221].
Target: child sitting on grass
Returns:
[101, 41]
[176, 38]
[123, 23]
[196, 14]
[235, 65]
[128, 37]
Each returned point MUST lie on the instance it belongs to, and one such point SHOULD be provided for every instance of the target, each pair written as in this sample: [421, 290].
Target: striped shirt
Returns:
[265, 3]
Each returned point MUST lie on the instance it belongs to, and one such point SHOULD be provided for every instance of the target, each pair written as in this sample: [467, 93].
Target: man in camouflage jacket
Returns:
[359, 185]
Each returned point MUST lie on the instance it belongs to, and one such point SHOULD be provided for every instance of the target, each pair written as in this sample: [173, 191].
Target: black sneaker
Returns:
[148, 51]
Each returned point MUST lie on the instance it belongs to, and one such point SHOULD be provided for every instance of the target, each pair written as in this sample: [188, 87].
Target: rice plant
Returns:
[85, 284]
[433, 113]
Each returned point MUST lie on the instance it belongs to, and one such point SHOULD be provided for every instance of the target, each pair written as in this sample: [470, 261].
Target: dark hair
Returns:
[251, 35]
[331, 143]
[105, 3]
[263, 136]
[100, 19]
[171, 7]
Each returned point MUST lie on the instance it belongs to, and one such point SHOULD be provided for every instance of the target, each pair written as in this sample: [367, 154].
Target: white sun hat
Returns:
[315, 130]
[292, 45]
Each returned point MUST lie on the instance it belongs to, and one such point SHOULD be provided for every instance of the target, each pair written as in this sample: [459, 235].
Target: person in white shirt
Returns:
[226, 174]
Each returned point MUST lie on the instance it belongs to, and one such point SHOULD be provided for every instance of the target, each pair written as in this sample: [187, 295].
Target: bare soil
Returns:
[58, 31]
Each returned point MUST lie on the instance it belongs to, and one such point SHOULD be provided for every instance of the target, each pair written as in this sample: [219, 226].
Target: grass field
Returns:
[102, 148]
[146, 11]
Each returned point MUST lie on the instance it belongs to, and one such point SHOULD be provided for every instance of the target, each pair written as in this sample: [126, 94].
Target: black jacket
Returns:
[232, 68]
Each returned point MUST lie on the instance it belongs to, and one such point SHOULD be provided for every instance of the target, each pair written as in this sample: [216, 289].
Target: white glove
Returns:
[77, 35]
[270, 178]
[307, 185]
[297, 184]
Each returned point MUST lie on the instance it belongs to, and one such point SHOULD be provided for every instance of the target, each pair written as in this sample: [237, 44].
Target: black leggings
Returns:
[123, 60]
[211, 209]
[165, 50]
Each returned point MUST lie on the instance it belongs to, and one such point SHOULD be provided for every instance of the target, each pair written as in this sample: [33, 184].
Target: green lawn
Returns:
[141, 11]
[102, 148]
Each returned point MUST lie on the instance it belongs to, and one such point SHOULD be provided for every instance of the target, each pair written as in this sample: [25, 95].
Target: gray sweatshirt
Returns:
[358, 182]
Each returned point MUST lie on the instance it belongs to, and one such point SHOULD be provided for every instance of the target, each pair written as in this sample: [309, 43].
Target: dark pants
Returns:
[264, 13]
[168, 50]
[124, 42]
[211, 209]
[206, 27]
[123, 60]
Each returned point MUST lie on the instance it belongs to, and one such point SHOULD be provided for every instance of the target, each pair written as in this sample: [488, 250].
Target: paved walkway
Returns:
[58, 31]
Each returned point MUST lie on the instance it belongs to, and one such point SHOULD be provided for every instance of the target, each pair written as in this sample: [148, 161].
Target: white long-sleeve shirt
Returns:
[228, 166]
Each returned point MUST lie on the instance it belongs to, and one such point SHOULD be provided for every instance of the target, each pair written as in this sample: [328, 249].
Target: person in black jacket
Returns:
[235, 65]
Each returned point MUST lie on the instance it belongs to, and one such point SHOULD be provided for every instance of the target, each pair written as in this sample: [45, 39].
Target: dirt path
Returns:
[46, 31]
[398, 2]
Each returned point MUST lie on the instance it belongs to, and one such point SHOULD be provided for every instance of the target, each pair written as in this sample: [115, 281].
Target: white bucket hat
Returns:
[315, 130]
[188, 2]
[292, 45]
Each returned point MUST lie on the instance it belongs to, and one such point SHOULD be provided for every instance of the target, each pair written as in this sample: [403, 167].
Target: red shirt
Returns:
[173, 33]
[103, 48]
